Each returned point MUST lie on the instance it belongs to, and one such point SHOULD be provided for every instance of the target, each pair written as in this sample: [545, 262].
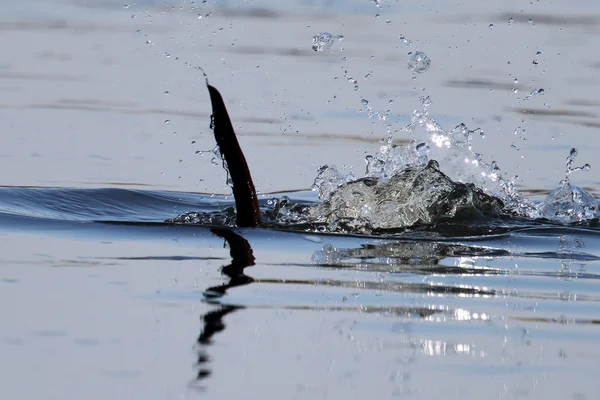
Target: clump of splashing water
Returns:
[569, 204]
[418, 194]
[404, 186]
[324, 41]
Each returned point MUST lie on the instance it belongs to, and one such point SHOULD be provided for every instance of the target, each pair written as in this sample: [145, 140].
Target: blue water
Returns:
[100, 297]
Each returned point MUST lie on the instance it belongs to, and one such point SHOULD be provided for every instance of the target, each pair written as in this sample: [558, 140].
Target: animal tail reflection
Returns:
[242, 256]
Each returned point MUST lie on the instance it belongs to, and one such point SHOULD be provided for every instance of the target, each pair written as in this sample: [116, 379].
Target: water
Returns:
[103, 298]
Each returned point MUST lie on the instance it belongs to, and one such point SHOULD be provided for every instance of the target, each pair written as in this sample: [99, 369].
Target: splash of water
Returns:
[568, 203]
[417, 195]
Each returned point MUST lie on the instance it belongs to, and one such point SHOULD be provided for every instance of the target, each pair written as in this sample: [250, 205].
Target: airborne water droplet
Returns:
[418, 61]
[405, 40]
[167, 122]
[324, 41]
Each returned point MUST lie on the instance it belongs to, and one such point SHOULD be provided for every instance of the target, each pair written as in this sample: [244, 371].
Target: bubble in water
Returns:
[324, 41]
[418, 61]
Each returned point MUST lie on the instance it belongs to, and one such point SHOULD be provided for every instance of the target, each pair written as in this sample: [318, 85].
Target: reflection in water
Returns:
[403, 260]
[241, 257]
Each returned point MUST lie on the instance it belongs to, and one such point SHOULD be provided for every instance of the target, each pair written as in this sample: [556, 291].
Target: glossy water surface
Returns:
[101, 298]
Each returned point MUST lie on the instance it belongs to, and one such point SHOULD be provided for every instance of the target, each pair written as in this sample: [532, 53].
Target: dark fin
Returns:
[246, 202]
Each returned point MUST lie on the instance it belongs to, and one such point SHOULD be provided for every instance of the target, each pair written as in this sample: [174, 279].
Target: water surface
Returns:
[101, 298]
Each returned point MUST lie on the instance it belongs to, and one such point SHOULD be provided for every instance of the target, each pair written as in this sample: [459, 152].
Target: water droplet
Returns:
[167, 122]
[540, 91]
[510, 21]
[167, 92]
[539, 53]
[365, 102]
[535, 62]
[530, 21]
[461, 135]
[405, 40]
[516, 81]
[193, 142]
[324, 41]
[491, 26]
[418, 61]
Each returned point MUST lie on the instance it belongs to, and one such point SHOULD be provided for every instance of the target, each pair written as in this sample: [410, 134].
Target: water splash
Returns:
[417, 195]
[568, 203]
